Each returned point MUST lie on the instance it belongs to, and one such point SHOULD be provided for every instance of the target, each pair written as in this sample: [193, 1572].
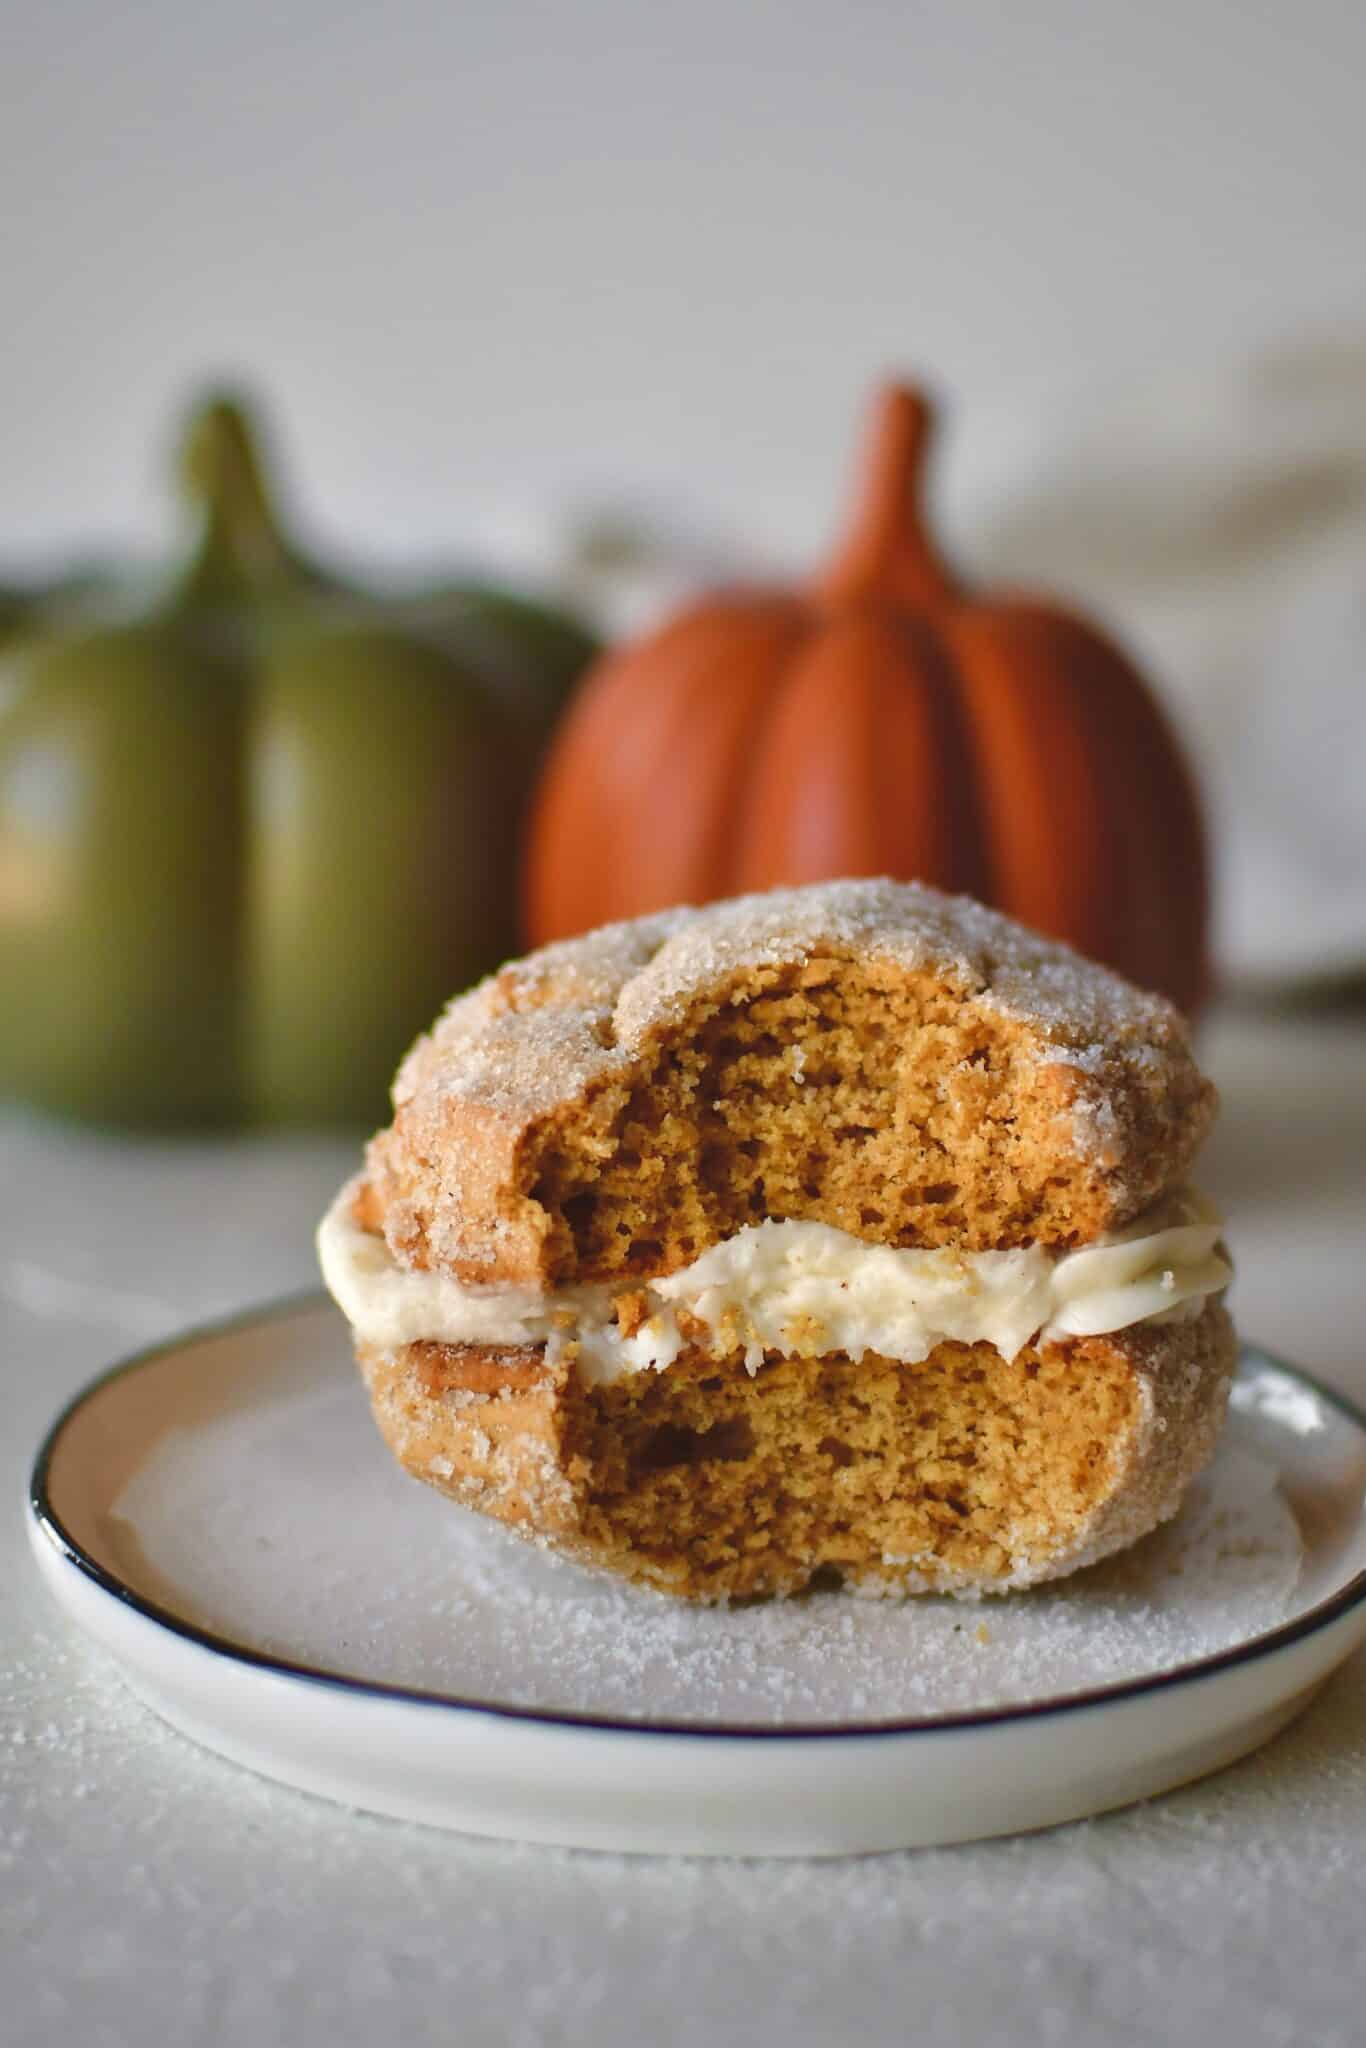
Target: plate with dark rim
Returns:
[218, 1514]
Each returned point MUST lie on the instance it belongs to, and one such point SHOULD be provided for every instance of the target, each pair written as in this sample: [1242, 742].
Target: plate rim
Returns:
[46, 1522]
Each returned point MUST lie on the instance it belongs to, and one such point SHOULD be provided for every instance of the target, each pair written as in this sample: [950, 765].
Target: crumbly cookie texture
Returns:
[903, 1065]
[965, 1474]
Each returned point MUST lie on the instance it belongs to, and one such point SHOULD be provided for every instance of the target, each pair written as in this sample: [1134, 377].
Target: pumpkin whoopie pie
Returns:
[840, 1232]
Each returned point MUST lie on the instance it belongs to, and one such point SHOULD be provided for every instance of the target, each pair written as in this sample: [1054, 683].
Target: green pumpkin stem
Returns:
[240, 547]
[886, 551]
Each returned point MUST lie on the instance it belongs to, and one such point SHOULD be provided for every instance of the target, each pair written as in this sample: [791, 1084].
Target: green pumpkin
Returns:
[256, 829]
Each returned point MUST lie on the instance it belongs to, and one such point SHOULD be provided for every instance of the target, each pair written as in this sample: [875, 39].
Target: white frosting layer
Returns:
[803, 1289]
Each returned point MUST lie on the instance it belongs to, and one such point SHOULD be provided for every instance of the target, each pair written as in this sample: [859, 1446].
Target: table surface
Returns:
[149, 1890]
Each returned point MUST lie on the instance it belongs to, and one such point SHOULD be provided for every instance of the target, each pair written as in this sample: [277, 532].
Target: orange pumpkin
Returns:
[884, 721]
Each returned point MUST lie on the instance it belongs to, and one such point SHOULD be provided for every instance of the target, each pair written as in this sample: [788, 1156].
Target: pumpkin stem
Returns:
[240, 545]
[886, 551]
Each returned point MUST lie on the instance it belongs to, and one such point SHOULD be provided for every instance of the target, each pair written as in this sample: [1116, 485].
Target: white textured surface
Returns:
[148, 1891]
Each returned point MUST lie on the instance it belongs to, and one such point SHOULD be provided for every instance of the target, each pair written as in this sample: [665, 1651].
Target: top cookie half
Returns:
[907, 1066]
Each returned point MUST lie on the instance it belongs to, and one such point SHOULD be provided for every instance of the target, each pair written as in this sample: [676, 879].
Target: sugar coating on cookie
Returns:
[909, 1067]
[859, 1097]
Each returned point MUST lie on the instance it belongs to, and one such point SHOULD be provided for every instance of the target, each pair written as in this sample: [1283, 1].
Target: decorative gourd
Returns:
[887, 720]
[255, 828]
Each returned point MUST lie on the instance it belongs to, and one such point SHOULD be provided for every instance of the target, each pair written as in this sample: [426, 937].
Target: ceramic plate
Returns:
[219, 1515]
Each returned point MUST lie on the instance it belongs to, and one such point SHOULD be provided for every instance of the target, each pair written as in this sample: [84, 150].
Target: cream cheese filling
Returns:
[803, 1289]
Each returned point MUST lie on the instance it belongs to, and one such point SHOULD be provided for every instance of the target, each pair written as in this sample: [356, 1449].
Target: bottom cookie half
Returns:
[963, 1474]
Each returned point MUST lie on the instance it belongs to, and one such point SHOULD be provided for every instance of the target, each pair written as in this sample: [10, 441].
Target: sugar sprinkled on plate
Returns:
[287, 1528]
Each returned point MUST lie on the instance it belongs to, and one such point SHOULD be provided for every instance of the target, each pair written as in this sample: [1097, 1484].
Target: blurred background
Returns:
[520, 283]
[487, 257]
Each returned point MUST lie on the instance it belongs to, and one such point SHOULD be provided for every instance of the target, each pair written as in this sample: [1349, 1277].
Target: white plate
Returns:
[221, 1516]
